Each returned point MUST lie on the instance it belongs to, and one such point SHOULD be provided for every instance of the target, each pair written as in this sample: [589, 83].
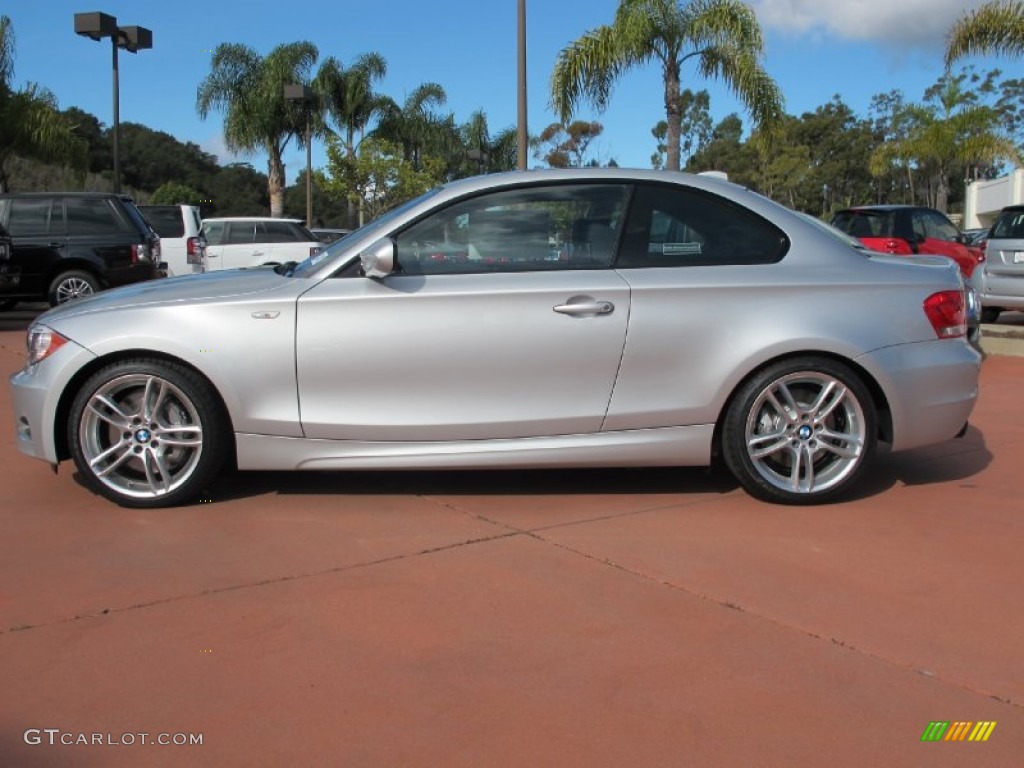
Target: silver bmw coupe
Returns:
[598, 317]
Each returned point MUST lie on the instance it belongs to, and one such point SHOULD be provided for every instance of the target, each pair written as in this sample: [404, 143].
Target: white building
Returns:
[985, 199]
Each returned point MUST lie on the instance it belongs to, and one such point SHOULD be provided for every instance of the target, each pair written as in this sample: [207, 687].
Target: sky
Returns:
[814, 49]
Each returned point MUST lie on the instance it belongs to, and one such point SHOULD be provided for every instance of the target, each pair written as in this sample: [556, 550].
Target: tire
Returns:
[68, 286]
[990, 314]
[147, 433]
[795, 410]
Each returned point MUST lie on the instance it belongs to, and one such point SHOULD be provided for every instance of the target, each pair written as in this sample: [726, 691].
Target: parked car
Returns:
[372, 354]
[1000, 281]
[976, 237]
[181, 245]
[72, 244]
[328, 235]
[10, 275]
[256, 240]
[909, 229]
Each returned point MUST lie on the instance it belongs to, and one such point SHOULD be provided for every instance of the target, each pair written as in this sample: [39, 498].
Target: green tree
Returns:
[348, 96]
[695, 128]
[727, 152]
[348, 99]
[379, 177]
[565, 146]
[722, 36]
[484, 153]
[173, 193]
[414, 126]
[950, 131]
[995, 28]
[30, 123]
[150, 158]
[249, 90]
[839, 145]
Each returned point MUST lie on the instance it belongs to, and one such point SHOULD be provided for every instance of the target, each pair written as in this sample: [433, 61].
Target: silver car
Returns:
[598, 317]
[1000, 280]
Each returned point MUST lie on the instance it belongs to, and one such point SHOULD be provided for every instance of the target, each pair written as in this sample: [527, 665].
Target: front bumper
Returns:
[36, 392]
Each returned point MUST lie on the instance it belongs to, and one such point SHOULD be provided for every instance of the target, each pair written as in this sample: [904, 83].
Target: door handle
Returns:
[585, 308]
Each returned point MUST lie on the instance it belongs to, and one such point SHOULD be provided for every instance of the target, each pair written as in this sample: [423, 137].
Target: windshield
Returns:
[376, 227]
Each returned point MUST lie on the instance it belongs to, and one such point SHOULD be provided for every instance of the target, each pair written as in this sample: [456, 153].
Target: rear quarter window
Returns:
[671, 226]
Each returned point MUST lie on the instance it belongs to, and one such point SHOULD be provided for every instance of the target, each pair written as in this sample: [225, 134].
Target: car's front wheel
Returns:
[71, 285]
[147, 433]
[800, 431]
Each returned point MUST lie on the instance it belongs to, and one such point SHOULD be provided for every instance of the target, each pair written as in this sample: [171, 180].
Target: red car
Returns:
[909, 229]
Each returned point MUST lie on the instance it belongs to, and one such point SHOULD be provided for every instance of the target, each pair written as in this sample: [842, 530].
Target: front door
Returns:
[492, 330]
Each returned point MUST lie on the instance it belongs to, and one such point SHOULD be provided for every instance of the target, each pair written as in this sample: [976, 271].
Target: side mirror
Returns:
[379, 259]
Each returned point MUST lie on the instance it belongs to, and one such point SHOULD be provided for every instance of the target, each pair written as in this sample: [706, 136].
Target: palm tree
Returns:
[249, 89]
[348, 95]
[414, 126]
[30, 123]
[996, 27]
[723, 36]
[349, 100]
[952, 132]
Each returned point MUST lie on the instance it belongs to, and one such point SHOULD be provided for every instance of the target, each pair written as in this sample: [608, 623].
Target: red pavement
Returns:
[592, 618]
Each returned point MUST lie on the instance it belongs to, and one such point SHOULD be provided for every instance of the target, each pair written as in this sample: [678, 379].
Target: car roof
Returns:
[118, 195]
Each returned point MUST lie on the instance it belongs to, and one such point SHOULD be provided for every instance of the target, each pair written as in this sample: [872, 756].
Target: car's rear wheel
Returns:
[800, 431]
[71, 285]
[990, 314]
[147, 433]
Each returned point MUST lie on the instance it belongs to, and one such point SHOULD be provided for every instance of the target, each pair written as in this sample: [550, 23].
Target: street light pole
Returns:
[133, 39]
[117, 119]
[309, 174]
[522, 134]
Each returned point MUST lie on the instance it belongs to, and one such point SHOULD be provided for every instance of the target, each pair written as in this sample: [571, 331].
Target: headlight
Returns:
[42, 342]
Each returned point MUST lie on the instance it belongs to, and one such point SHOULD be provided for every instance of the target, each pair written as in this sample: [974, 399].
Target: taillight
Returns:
[947, 312]
[146, 251]
[897, 245]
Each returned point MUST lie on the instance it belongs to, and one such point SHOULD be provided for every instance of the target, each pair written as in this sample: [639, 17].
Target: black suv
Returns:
[9, 277]
[71, 244]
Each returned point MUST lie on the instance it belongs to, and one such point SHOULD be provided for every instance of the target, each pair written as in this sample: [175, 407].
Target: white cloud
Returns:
[216, 146]
[912, 23]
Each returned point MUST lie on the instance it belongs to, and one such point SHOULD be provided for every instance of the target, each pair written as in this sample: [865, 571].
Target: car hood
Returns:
[176, 290]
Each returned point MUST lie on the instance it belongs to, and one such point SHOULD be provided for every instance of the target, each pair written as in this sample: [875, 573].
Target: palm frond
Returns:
[995, 28]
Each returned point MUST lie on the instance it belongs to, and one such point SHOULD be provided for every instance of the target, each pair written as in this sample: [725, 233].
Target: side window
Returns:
[91, 216]
[29, 216]
[938, 226]
[282, 232]
[542, 228]
[240, 233]
[677, 227]
[213, 231]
